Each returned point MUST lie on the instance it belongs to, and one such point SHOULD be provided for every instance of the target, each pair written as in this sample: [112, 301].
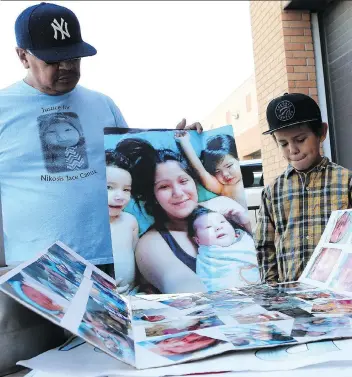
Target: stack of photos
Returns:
[183, 192]
[331, 263]
[148, 331]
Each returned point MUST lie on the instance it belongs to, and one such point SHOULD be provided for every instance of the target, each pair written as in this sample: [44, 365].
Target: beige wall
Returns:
[240, 109]
[284, 62]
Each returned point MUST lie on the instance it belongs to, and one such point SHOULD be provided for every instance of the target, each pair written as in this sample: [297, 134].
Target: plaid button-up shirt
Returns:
[294, 212]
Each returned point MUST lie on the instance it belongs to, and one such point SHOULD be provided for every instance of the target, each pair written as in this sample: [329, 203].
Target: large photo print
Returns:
[178, 215]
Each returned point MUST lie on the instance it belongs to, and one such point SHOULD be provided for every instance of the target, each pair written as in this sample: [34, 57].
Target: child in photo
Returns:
[342, 280]
[342, 229]
[320, 326]
[226, 253]
[182, 346]
[123, 225]
[324, 264]
[333, 307]
[261, 317]
[63, 142]
[297, 205]
[218, 167]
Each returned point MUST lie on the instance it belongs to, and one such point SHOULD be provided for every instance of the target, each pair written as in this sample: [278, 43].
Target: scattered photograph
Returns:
[255, 290]
[333, 307]
[117, 343]
[186, 302]
[52, 262]
[342, 229]
[102, 281]
[296, 313]
[252, 336]
[152, 315]
[97, 316]
[185, 346]
[318, 295]
[321, 326]
[182, 325]
[37, 296]
[111, 301]
[261, 317]
[342, 280]
[225, 294]
[204, 312]
[231, 307]
[324, 264]
[61, 254]
[279, 303]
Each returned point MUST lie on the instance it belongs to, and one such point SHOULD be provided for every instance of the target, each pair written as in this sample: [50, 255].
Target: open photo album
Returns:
[154, 330]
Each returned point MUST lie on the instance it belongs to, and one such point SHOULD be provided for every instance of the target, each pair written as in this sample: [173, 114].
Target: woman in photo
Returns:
[164, 183]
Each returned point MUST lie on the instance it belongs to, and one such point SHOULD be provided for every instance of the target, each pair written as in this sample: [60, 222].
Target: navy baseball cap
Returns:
[290, 110]
[51, 33]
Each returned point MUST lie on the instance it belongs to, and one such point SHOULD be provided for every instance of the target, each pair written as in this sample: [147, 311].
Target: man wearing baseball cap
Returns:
[297, 205]
[52, 160]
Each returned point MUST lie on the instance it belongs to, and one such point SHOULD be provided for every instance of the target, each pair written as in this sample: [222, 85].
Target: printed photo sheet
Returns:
[330, 266]
[148, 331]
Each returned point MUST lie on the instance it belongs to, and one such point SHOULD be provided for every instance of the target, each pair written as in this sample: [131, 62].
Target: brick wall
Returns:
[284, 62]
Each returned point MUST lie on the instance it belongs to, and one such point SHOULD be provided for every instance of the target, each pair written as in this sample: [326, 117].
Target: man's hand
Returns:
[194, 126]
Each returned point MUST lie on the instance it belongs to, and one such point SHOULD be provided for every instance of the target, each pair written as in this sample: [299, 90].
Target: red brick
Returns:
[300, 90]
[303, 54]
[307, 31]
[290, 69]
[300, 39]
[295, 32]
[289, 54]
[313, 91]
[310, 61]
[291, 16]
[312, 76]
[306, 17]
[294, 46]
[297, 76]
[309, 46]
[296, 24]
[306, 84]
[304, 69]
[291, 84]
[293, 61]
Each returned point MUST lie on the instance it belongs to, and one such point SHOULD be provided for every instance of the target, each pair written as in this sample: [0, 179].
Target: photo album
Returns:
[154, 330]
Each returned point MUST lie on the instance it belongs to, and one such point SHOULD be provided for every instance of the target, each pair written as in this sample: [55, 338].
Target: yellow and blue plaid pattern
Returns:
[294, 211]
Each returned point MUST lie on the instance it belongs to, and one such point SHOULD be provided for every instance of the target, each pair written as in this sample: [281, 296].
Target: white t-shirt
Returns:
[52, 171]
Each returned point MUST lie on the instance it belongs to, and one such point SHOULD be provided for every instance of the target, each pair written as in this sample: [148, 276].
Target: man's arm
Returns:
[265, 237]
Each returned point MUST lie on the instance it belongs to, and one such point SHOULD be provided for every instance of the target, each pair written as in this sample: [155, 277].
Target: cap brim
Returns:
[289, 125]
[59, 54]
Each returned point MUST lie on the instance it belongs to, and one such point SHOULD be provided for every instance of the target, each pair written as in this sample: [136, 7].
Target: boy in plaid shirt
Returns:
[296, 207]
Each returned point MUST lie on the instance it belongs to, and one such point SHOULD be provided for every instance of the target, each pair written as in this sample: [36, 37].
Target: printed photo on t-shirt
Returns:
[63, 142]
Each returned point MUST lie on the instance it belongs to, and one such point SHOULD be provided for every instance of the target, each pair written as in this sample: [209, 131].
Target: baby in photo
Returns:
[123, 226]
[226, 252]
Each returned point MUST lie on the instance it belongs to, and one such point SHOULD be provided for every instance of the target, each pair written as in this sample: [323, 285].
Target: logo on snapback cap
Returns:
[60, 27]
[285, 110]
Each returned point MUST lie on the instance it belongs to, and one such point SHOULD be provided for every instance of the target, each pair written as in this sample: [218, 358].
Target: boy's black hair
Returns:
[216, 149]
[116, 159]
[316, 127]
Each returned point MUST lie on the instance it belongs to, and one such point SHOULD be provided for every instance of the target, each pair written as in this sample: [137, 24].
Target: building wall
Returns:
[240, 109]
[284, 62]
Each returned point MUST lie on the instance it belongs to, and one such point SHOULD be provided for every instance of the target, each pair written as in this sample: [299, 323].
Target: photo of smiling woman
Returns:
[166, 191]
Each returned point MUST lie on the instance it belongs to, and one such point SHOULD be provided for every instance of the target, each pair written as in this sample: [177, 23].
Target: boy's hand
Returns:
[182, 137]
[194, 126]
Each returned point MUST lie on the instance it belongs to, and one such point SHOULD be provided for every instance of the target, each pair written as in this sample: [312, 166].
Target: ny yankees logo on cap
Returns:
[285, 110]
[59, 27]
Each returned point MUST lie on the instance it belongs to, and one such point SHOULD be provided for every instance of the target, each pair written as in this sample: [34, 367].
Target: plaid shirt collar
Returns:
[321, 166]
